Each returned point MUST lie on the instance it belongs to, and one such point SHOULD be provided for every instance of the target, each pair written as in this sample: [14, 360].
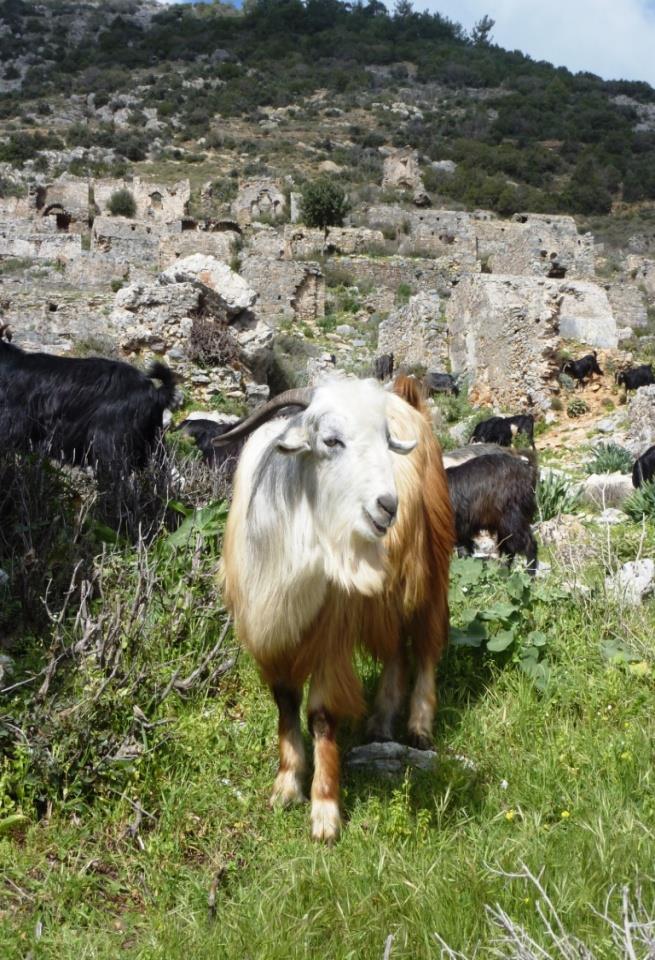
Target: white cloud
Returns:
[612, 38]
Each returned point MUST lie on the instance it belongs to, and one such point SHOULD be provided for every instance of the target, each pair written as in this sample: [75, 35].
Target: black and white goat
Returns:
[502, 430]
[497, 493]
[636, 377]
[87, 411]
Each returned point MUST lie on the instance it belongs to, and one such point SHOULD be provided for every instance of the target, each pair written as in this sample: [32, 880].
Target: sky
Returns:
[612, 38]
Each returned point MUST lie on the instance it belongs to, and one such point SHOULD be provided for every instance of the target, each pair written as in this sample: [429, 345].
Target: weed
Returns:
[641, 503]
[577, 407]
[610, 458]
[555, 495]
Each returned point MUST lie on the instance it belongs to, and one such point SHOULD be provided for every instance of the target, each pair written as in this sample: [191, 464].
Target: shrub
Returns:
[324, 204]
[556, 404]
[122, 203]
[641, 503]
[577, 407]
[212, 343]
[610, 458]
[555, 494]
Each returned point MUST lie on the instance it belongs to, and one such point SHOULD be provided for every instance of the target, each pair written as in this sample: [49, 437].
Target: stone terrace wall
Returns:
[154, 201]
[537, 245]
[385, 274]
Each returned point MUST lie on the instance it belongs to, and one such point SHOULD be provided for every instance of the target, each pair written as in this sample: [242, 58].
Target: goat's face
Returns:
[345, 438]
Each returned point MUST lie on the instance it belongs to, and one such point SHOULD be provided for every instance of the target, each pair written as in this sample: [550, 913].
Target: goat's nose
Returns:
[389, 503]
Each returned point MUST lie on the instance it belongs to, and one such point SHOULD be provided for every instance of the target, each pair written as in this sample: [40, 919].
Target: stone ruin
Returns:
[257, 198]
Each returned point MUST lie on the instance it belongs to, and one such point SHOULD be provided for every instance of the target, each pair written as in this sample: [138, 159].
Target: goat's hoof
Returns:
[375, 735]
[326, 821]
[420, 741]
[287, 790]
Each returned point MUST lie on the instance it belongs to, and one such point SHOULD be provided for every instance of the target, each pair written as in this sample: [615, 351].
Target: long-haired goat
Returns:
[643, 470]
[84, 410]
[334, 540]
[496, 492]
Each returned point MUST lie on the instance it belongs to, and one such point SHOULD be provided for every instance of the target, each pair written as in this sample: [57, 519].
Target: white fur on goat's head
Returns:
[344, 439]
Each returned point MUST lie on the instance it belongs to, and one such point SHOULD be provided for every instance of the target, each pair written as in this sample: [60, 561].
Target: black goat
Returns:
[643, 470]
[384, 366]
[583, 368]
[502, 430]
[89, 411]
[203, 432]
[440, 383]
[636, 377]
[497, 493]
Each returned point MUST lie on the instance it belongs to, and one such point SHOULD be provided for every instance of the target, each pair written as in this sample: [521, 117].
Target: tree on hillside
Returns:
[324, 204]
[481, 32]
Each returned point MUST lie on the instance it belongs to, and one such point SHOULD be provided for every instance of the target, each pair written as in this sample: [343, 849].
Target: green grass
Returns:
[549, 768]
[562, 781]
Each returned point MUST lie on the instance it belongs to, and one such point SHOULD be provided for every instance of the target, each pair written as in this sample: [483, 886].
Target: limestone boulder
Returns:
[633, 582]
[607, 489]
[231, 290]
[153, 316]
[401, 169]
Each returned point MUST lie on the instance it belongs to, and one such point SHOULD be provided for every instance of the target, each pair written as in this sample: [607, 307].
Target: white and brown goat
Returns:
[335, 539]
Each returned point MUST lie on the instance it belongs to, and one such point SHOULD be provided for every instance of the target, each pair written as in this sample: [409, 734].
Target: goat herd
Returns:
[343, 520]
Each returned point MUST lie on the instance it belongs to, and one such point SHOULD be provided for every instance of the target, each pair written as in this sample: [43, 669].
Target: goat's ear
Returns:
[293, 440]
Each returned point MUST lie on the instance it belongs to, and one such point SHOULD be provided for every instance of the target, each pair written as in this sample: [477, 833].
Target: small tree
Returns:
[122, 204]
[324, 204]
[481, 32]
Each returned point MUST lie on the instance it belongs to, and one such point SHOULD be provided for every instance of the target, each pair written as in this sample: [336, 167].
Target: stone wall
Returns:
[416, 334]
[67, 196]
[641, 271]
[384, 275]
[504, 332]
[41, 246]
[534, 244]
[220, 244]
[628, 303]
[291, 290]
[123, 239]
[154, 201]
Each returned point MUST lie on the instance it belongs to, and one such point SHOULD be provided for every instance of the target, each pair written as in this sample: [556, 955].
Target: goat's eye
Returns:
[333, 442]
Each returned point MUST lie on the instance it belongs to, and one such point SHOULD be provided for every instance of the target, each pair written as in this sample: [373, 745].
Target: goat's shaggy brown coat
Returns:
[408, 595]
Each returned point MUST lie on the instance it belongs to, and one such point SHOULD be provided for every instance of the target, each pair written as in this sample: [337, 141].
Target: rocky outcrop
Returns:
[504, 332]
[401, 170]
[416, 334]
[640, 434]
[231, 292]
[628, 303]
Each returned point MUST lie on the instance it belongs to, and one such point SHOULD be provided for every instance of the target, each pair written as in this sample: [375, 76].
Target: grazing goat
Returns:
[643, 470]
[582, 368]
[502, 430]
[86, 411]
[453, 458]
[384, 367]
[636, 377]
[203, 432]
[334, 540]
[497, 493]
[441, 383]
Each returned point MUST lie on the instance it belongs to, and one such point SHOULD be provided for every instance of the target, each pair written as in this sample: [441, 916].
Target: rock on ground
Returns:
[231, 289]
[633, 582]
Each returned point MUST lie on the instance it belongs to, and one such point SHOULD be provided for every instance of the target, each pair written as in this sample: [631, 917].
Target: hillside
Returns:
[287, 86]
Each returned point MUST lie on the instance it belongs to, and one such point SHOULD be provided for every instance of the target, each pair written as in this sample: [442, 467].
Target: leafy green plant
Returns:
[324, 203]
[556, 494]
[641, 503]
[610, 458]
[501, 610]
[122, 203]
[577, 407]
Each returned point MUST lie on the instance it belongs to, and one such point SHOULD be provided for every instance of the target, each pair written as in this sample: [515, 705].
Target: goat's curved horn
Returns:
[401, 446]
[290, 398]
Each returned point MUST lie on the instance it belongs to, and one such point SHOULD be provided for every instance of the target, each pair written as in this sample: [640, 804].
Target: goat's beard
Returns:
[354, 563]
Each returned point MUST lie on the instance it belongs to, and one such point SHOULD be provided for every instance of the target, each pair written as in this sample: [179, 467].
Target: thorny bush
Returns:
[105, 622]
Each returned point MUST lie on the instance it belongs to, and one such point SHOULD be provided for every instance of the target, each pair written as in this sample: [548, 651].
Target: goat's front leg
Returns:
[326, 819]
[287, 788]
